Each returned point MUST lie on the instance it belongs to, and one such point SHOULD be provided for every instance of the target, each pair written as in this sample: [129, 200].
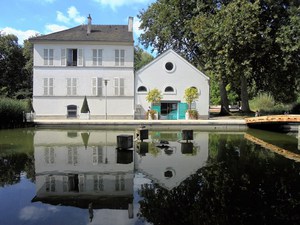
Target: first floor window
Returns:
[119, 86]
[71, 86]
[119, 57]
[97, 86]
[48, 57]
[97, 57]
[48, 86]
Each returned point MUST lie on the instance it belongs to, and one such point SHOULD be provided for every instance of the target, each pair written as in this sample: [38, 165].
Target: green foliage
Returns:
[193, 114]
[85, 107]
[141, 58]
[154, 96]
[232, 96]
[296, 108]
[29, 106]
[190, 95]
[12, 113]
[263, 101]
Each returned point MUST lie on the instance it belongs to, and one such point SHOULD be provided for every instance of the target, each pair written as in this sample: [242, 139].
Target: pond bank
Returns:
[211, 124]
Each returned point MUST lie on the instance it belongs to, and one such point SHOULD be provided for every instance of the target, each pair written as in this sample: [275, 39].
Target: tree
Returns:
[12, 63]
[190, 95]
[85, 107]
[141, 58]
[154, 96]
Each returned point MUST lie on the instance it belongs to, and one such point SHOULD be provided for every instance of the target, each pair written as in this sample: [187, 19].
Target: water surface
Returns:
[67, 176]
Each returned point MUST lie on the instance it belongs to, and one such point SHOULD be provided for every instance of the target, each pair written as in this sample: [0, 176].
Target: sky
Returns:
[26, 18]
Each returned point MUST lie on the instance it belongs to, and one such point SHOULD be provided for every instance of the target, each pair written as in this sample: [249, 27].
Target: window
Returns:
[119, 86]
[48, 57]
[97, 86]
[74, 57]
[142, 89]
[71, 86]
[48, 86]
[119, 183]
[119, 57]
[63, 57]
[169, 89]
[71, 111]
[169, 67]
[97, 57]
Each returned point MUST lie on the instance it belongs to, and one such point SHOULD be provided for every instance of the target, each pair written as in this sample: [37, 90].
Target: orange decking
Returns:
[273, 119]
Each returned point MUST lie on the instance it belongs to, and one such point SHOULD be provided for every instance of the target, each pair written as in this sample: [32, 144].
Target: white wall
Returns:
[154, 75]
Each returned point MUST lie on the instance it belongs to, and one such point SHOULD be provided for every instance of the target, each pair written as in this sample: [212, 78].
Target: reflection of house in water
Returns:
[77, 168]
[173, 162]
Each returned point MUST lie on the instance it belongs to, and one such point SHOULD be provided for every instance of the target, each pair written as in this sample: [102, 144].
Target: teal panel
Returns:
[182, 108]
[172, 115]
[156, 108]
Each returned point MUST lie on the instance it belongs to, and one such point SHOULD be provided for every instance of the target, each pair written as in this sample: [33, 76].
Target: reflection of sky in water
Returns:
[16, 208]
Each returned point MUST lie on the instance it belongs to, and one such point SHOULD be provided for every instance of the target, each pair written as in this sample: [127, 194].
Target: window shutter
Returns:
[45, 86]
[80, 57]
[100, 86]
[122, 58]
[74, 87]
[68, 86]
[94, 57]
[63, 57]
[122, 86]
[51, 57]
[51, 86]
[117, 57]
[45, 57]
[94, 86]
[99, 57]
[116, 85]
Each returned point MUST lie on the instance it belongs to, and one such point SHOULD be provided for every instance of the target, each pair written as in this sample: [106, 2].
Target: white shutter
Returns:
[63, 57]
[74, 87]
[100, 86]
[94, 86]
[50, 86]
[80, 57]
[99, 57]
[116, 86]
[122, 86]
[122, 58]
[51, 57]
[46, 57]
[69, 86]
[94, 57]
[45, 86]
[117, 57]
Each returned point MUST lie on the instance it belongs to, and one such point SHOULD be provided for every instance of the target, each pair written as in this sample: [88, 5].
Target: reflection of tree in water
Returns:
[12, 165]
[242, 184]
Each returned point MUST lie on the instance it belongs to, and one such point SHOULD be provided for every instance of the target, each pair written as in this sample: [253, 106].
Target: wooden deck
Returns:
[274, 119]
[275, 122]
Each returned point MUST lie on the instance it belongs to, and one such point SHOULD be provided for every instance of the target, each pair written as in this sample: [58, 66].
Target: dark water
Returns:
[55, 177]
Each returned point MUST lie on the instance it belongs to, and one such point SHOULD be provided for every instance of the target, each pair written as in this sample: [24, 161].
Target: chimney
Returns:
[89, 26]
[130, 24]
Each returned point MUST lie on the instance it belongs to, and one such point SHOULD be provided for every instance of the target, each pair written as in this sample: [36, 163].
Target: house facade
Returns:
[172, 75]
[95, 61]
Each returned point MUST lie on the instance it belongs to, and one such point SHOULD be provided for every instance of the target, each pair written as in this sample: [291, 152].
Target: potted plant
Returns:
[190, 95]
[154, 96]
[85, 110]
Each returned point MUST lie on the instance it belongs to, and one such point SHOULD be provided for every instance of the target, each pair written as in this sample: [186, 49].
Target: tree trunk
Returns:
[244, 94]
[224, 99]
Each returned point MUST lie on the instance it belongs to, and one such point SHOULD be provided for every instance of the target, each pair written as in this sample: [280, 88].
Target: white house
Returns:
[95, 61]
[172, 75]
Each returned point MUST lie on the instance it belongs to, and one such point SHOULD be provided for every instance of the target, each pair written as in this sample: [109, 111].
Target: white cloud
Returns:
[51, 28]
[136, 27]
[22, 35]
[118, 3]
[35, 213]
[72, 17]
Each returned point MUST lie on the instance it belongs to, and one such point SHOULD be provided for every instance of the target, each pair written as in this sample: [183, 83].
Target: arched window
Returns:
[169, 89]
[142, 89]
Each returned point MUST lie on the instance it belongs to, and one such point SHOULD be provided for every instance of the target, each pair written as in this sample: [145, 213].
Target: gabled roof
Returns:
[162, 55]
[99, 33]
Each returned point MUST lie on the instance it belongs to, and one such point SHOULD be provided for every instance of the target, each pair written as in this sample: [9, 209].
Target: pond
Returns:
[69, 176]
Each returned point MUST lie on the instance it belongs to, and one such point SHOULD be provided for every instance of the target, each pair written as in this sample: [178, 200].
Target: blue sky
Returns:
[25, 18]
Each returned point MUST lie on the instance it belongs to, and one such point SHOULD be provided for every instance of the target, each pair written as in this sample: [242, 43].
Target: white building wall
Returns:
[154, 75]
[56, 106]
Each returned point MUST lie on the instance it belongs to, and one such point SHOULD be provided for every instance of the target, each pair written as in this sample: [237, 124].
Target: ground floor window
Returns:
[72, 111]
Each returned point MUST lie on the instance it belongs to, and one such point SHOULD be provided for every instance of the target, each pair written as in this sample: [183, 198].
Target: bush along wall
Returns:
[12, 113]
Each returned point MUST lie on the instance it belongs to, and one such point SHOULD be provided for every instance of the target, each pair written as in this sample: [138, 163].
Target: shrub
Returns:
[296, 108]
[193, 114]
[262, 102]
[85, 107]
[12, 113]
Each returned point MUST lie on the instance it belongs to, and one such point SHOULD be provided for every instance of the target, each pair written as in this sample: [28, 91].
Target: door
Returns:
[182, 108]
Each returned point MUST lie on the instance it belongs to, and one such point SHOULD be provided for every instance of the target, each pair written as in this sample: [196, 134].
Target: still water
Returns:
[54, 177]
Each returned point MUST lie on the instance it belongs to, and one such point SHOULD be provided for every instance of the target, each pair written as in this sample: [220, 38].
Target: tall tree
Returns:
[141, 58]
[12, 63]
